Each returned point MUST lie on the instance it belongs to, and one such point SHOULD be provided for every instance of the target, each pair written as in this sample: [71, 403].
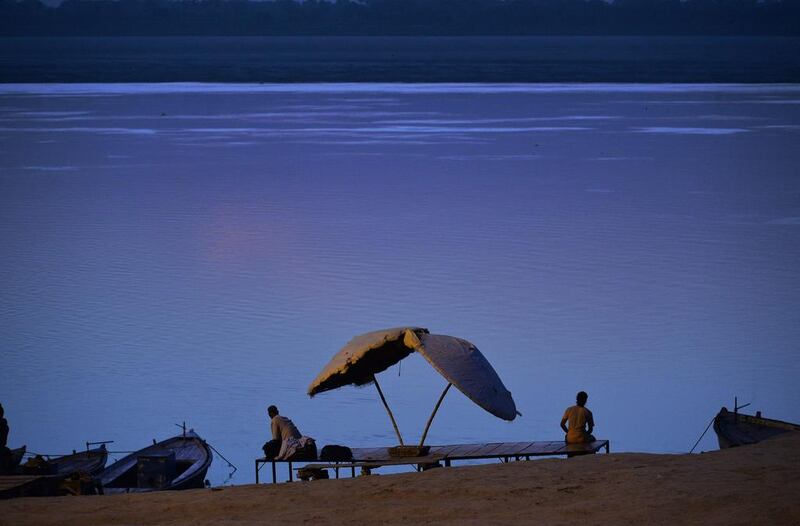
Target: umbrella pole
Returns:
[383, 399]
[430, 420]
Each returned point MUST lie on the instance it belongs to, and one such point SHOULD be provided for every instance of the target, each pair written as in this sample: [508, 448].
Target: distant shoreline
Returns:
[401, 59]
[415, 36]
[232, 88]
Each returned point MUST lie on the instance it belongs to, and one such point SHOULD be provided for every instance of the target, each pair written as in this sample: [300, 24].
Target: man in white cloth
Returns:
[293, 445]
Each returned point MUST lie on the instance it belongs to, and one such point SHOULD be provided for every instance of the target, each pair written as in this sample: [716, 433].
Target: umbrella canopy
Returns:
[365, 356]
[456, 359]
[464, 366]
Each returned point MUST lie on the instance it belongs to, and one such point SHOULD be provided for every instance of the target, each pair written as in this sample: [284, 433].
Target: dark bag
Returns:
[336, 454]
[309, 452]
[271, 449]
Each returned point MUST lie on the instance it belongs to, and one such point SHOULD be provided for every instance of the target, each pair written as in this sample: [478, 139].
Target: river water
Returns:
[195, 252]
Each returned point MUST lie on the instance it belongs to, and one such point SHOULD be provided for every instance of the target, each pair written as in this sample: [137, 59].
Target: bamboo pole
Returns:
[391, 416]
[436, 408]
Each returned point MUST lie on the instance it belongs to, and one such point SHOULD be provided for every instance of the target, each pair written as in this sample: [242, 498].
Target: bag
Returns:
[271, 449]
[334, 453]
[307, 452]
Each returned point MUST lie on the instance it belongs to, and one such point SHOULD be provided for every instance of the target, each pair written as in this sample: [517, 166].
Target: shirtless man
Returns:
[581, 421]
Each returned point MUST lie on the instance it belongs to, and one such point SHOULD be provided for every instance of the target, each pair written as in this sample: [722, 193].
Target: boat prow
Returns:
[737, 429]
[16, 457]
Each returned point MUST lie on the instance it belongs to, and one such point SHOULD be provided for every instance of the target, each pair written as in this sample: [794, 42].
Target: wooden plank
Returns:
[464, 450]
[444, 450]
[329, 466]
[361, 452]
[372, 453]
[380, 455]
[597, 445]
[510, 449]
[486, 450]
[393, 462]
[544, 448]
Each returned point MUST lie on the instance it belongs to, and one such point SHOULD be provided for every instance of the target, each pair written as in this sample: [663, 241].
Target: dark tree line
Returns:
[400, 17]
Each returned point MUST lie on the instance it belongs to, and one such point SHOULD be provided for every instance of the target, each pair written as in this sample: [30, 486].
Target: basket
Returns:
[409, 451]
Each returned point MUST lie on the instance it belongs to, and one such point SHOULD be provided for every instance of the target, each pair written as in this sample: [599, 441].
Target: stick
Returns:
[701, 436]
[383, 399]
[436, 408]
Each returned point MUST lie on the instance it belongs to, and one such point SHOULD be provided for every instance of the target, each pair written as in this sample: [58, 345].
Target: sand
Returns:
[757, 484]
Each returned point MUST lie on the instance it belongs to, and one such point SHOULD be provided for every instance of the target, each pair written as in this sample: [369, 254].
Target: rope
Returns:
[701, 436]
[235, 469]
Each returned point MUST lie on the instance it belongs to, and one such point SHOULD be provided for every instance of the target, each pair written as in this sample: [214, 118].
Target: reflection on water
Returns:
[195, 252]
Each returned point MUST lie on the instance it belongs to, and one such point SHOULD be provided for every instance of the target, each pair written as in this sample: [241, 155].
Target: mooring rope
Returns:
[701, 436]
[235, 469]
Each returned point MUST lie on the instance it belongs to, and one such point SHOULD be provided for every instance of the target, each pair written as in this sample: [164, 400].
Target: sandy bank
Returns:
[750, 485]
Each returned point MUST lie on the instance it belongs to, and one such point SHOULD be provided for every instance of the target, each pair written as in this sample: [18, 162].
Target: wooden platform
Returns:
[372, 458]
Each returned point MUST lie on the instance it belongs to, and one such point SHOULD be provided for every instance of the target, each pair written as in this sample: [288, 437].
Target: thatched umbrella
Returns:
[457, 360]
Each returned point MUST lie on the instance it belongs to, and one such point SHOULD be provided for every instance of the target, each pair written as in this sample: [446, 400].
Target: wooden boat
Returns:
[737, 429]
[177, 463]
[65, 475]
[90, 462]
[16, 456]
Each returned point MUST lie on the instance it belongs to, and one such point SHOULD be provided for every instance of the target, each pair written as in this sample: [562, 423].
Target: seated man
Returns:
[287, 443]
[5, 453]
[581, 421]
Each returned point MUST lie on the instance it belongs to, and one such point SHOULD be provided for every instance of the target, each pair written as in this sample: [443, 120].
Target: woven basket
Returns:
[409, 451]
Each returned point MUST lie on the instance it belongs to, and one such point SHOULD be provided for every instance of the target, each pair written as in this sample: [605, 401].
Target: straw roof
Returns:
[365, 356]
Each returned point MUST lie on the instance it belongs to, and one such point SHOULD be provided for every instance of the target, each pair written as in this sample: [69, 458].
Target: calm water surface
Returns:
[195, 252]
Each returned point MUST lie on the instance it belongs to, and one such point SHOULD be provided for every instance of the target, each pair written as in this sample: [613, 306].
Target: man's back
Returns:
[578, 418]
[283, 428]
